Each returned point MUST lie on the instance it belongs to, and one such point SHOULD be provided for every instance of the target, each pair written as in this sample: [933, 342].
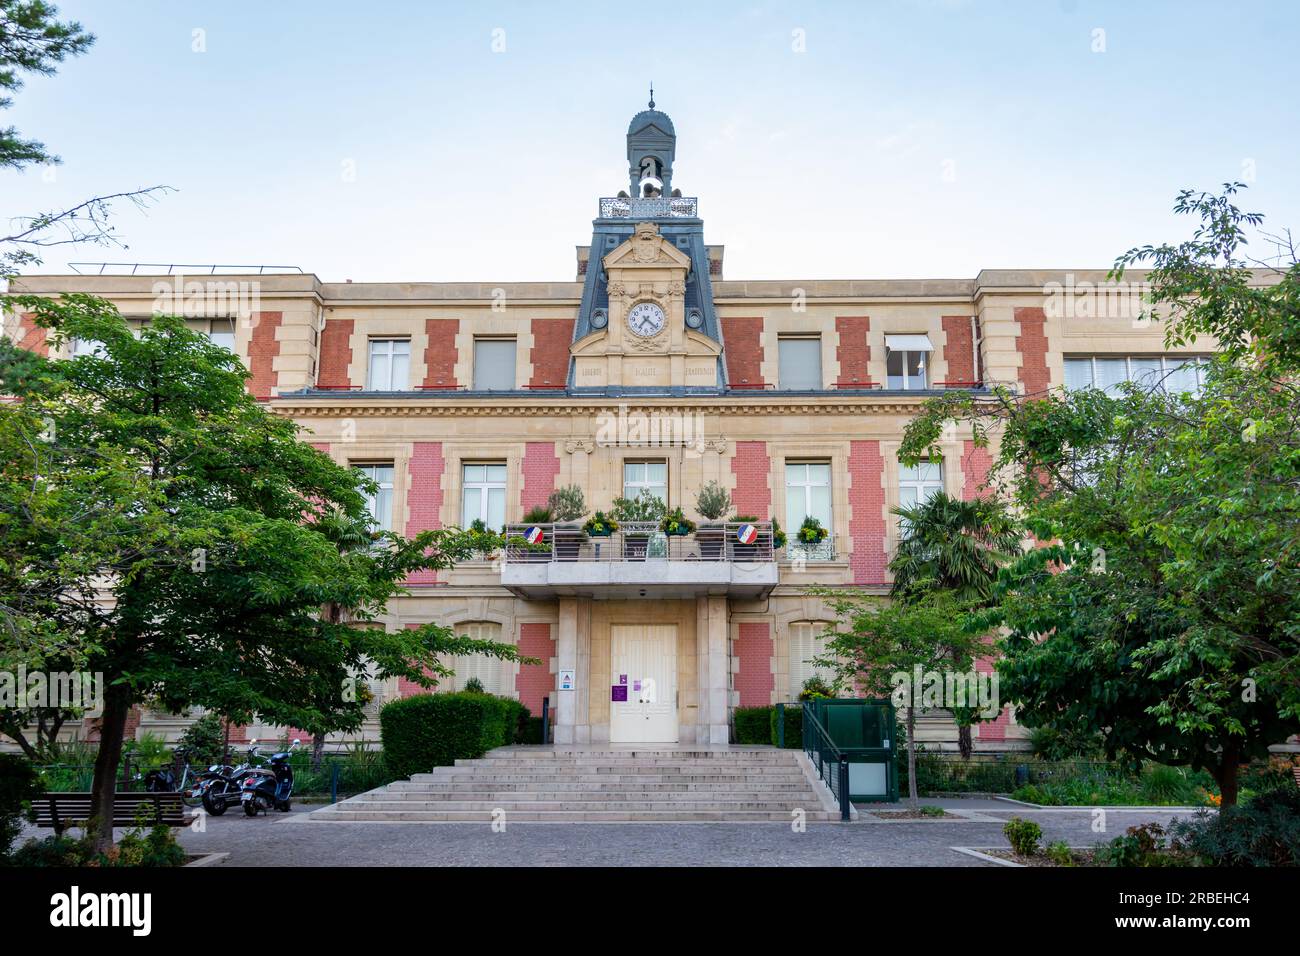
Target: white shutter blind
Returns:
[806, 643]
[493, 673]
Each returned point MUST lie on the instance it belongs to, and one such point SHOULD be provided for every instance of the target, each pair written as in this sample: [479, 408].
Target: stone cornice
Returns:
[865, 405]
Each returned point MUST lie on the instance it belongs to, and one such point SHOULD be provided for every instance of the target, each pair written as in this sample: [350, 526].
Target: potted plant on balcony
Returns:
[485, 540]
[567, 506]
[675, 524]
[541, 551]
[645, 508]
[712, 502]
[811, 532]
[600, 525]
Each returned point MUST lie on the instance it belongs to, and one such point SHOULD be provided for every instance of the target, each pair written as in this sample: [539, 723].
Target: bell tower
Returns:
[651, 144]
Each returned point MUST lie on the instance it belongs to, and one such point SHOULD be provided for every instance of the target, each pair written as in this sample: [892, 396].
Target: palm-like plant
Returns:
[946, 544]
[953, 545]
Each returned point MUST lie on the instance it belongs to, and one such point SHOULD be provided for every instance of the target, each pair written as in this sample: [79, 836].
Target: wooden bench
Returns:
[62, 810]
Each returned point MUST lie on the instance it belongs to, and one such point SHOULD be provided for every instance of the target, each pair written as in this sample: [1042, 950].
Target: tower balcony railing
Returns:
[641, 207]
[639, 560]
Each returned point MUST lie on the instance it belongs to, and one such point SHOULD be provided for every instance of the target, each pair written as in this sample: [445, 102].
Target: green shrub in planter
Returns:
[435, 730]
[754, 725]
[793, 727]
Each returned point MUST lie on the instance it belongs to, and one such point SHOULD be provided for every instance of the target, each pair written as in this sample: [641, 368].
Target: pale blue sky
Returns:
[910, 139]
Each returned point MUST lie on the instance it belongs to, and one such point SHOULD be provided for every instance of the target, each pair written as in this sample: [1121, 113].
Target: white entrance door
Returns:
[644, 658]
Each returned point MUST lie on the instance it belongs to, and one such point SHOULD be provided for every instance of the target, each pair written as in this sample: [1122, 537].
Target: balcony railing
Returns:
[640, 207]
[797, 551]
[639, 541]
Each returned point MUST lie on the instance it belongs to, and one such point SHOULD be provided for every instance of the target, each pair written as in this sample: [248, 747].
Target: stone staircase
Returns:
[591, 785]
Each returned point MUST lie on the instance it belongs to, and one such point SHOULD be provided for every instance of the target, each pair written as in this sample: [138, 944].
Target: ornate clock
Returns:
[645, 319]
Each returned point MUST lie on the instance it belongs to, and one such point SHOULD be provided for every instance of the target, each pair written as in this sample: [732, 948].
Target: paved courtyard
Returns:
[294, 840]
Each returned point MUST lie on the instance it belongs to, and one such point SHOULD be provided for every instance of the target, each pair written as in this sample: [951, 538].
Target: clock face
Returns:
[645, 319]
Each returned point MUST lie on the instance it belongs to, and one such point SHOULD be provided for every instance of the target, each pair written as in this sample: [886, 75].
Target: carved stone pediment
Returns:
[647, 248]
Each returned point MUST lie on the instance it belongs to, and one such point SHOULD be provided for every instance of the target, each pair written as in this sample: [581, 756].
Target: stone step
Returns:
[618, 760]
[572, 816]
[716, 755]
[563, 788]
[586, 805]
[596, 770]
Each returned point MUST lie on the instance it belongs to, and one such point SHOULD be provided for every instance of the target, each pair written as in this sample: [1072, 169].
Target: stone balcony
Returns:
[638, 561]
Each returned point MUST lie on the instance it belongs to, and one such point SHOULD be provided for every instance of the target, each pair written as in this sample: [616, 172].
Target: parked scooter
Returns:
[266, 787]
[218, 786]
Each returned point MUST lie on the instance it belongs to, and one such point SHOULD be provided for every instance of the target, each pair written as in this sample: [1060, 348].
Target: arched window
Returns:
[494, 674]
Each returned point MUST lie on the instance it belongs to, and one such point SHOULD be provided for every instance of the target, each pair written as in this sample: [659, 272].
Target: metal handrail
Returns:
[817, 744]
[638, 541]
[185, 268]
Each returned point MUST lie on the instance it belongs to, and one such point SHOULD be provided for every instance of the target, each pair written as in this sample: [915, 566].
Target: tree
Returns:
[209, 565]
[382, 561]
[1164, 613]
[956, 546]
[880, 646]
[33, 40]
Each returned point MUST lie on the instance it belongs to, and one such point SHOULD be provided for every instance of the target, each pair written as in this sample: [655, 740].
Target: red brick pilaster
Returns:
[424, 497]
[958, 350]
[743, 350]
[867, 512]
[263, 348]
[550, 352]
[541, 465]
[1032, 345]
[753, 648]
[440, 353]
[853, 352]
[335, 353]
[975, 465]
[535, 681]
[752, 468]
[31, 336]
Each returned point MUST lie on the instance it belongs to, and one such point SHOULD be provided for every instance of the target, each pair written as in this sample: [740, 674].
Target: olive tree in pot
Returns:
[568, 507]
[712, 502]
[645, 507]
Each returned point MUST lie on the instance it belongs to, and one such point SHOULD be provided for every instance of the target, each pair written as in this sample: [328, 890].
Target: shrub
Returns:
[1033, 793]
[1023, 835]
[1140, 846]
[1263, 832]
[1059, 853]
[713, 501]
[793, 727]
[567, 503]
[139, 846]
[435, 730]
[815, 687]
[539, 514]
[205, 740]
[532, 731]
[754, 725]
[19, 785]
[474, 686]
[1165, 784]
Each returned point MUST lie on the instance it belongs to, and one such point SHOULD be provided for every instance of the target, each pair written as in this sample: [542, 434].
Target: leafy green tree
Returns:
[957, 546]
[195, 568]
[1164, 613]
[878, 646]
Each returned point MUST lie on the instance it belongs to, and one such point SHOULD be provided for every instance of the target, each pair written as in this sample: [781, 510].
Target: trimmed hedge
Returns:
[753, 725]
[793, 727]
[435, 730]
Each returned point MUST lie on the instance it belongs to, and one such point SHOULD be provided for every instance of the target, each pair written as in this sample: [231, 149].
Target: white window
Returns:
[1175, 373]
[222, 332]
[483, 495]
[647, 476]
[807, 494]
[82, 347]
[379, 503]
[494, 364]
[807, 642]
[800, 363]
[390, 365]
[492, 673]
[906, 361]
[919, 483]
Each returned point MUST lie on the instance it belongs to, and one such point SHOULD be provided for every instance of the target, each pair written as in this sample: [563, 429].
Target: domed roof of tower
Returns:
[651, 118]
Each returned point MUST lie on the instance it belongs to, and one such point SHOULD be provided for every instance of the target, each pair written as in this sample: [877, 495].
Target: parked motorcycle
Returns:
[218, 786]
[265, 787]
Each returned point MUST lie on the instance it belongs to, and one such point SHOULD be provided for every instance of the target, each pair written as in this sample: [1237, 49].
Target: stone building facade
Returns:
[649, 371]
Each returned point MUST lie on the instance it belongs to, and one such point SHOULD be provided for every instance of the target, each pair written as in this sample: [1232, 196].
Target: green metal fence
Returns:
[859, 734]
